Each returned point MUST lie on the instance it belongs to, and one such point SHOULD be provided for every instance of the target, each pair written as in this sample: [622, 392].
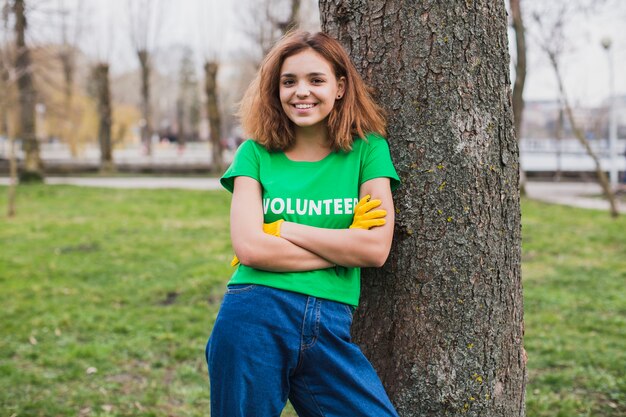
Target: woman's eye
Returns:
[318, 81]
[287, 82]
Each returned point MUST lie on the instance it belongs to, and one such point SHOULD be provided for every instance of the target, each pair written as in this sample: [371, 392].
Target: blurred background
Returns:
[173, 73]
[152, 86]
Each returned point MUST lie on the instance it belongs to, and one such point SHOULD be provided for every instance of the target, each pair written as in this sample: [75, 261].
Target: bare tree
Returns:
[213, 56]
[99, 86]
[442, 320]
[187, 104]
[67, 57]
[6, 98]
[558, 135]
[266, 21]
[520, 77]
[552, 40]
[13, 183]
[103, 97]
[292, 20]
[33, 166]
[578, 133]
[145, 23]
[5, 70]
[215, 123]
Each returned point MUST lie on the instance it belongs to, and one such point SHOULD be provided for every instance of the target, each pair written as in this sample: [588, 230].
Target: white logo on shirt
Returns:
[304, 207]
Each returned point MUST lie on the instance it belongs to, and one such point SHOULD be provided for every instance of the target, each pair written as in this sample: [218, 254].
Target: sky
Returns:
[585, 63]
[106, 32]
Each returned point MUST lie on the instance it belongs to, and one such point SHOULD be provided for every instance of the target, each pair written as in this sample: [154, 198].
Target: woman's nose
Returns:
[302, 91]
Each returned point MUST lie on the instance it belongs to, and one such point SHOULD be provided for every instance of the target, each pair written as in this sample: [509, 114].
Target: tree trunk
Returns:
[101, 77]
[67, 63]
[181, 122]
[5, 104]
[520, 78]
[442, 320]
[146, 127]
[5, 97]
[292, 21]
[13, 180]
[558, 134]
[215, 123]
[33, 166]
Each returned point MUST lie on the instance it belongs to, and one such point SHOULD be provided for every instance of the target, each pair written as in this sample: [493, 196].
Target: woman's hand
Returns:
[365, 217]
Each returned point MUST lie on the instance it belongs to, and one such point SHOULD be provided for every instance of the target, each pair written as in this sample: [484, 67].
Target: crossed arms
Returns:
[306, 248]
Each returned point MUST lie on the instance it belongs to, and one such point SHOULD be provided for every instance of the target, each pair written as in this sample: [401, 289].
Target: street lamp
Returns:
[606, 44]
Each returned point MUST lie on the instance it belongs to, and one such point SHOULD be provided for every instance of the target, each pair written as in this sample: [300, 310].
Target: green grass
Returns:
[574, 271]
[85, 276]
[129, 282]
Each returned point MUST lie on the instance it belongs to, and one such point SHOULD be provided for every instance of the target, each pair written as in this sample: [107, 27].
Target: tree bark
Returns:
[442, 320]
[103, 91]
[146, 127]
[215, 123]
[33, 166]
[520, 77]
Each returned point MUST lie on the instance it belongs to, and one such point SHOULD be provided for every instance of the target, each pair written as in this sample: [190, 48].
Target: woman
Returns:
[301, 234]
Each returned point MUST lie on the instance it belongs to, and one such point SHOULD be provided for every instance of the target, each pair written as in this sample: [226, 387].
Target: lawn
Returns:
[574, 274]
[108, 297]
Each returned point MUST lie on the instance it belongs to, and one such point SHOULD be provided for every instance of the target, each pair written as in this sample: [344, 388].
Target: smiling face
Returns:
[308, 89]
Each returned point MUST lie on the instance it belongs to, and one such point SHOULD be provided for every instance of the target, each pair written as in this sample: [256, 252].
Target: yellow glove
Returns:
[364, 215]
[270, 229]
[273, 228]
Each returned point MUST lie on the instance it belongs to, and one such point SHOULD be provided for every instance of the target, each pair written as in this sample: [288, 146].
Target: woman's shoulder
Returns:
[371, 140]
[251, 145]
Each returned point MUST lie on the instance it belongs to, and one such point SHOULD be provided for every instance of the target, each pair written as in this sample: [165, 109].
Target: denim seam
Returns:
[308, 346]
[317, 306]
[301, 344]
[318, 317]
[349, 310]
[240, 290]
[319, 409]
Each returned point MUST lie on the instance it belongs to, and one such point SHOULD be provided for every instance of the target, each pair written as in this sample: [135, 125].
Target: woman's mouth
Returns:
[304, 106]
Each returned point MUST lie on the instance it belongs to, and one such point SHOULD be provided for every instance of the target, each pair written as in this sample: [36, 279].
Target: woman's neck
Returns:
[311, 144]
[312, 136]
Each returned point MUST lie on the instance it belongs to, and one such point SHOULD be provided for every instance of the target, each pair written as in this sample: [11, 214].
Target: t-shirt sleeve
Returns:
[377, 162]
[245, 164]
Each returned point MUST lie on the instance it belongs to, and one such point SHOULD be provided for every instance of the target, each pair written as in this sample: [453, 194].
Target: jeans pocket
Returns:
[350, 310]
[239, 288]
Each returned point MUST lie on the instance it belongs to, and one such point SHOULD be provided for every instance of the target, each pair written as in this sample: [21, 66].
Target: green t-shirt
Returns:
[320, 194]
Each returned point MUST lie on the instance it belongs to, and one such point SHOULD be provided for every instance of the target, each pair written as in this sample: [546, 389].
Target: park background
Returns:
[108, 295]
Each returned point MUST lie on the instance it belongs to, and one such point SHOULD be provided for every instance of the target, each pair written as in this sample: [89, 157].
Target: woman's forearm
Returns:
[257, 249]
[270, 253]
[346, 247]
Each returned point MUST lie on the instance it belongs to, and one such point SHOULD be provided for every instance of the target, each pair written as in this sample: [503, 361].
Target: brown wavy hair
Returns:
[261, 113]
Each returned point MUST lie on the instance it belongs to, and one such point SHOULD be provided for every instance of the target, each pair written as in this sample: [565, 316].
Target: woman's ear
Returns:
[341, 87]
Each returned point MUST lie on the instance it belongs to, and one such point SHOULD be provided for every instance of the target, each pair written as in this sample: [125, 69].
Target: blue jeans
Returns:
[270, 345]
